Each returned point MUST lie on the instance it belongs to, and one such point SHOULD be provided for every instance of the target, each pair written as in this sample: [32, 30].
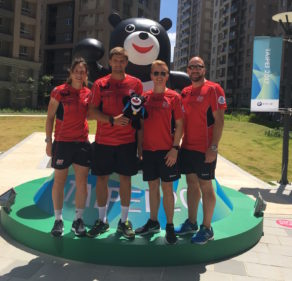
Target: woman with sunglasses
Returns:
[160, 149]
[69, 106]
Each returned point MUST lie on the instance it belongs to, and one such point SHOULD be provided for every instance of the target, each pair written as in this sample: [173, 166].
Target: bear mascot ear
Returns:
[166, 23]
[114, 19]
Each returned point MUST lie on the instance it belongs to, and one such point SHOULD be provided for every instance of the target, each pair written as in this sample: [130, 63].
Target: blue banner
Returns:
[266, 73]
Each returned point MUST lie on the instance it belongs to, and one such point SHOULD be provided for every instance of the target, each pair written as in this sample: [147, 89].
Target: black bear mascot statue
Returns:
[145, 41]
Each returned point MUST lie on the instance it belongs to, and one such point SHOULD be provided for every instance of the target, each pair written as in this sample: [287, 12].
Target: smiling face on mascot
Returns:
[145, 41]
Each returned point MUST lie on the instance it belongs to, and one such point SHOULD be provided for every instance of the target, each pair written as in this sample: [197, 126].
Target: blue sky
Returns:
[168, 9]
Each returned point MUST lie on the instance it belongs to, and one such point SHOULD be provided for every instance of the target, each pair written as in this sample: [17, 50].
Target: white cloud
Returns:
[172, 37]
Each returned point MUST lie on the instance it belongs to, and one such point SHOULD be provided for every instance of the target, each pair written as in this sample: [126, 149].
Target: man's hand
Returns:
[49, 149]
[210, 155]
[121, 120]
[171, 157]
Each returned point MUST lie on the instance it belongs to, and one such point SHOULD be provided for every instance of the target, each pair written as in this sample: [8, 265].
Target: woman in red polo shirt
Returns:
[69, 106]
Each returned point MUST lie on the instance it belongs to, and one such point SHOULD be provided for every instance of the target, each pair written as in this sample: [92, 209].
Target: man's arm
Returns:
[171, 155]
[211, 155]
[95, 114]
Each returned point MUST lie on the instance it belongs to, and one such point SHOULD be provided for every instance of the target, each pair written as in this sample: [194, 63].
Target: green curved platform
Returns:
[31, 226]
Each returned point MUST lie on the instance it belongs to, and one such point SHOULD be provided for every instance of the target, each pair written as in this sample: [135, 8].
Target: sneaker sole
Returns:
[78, 234]
[57, 235]
[93, 236]
[148, 232]
[167, 243]
[126, 236]
[203, 243]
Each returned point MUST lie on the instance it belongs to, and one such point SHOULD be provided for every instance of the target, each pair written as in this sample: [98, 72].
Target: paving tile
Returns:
[280, 250]
[249, 256]
[23, 269]
[261, 248]
[270, 239]
[212, 275]
[286, 241]
[230, 266]
[84, 271]
[247, 278]
[187, 273]
[275, 231]
[263, 271]
[275, 260]
[52, 271]
[287, 273]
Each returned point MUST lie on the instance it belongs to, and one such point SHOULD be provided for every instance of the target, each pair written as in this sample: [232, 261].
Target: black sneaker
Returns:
[170, 237]
[98, 228]
[58, 228]
[126, 229]
[78, 227]
[150, 227]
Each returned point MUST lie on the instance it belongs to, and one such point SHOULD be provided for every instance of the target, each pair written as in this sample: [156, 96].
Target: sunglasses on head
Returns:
[196, 67]
[162, 73]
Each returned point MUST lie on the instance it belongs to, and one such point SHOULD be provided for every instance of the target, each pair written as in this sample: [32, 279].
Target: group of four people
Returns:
[197, 116]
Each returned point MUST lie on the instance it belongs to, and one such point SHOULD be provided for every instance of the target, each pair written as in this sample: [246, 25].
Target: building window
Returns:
[68, 36]
[68, 21]
[1, 21]
[25, 7]
[23, 51]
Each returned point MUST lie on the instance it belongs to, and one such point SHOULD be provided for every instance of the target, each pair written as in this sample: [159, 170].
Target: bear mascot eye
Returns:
[130, 28]
[154, 30]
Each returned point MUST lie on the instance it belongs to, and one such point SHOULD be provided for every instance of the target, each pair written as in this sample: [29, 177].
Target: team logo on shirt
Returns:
[165, 104]
[221, 100]
[200, 98]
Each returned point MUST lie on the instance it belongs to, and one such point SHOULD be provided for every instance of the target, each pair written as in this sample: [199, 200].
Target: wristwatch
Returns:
[176, 147]
[48, 139]
[214, 147]
[111, 120]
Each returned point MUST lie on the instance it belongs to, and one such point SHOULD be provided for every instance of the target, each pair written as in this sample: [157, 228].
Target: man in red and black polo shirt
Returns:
[204, 104]
[114, 149]
[160, 149]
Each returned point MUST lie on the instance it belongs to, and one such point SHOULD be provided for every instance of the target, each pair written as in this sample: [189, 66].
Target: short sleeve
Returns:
[218, 100]
[95, 94]
[177, 107]
[55, 94]
[139, 88]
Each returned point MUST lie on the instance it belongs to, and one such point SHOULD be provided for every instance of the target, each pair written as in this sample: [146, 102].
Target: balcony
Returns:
[232, 35]
[186, 6]
[234, 9]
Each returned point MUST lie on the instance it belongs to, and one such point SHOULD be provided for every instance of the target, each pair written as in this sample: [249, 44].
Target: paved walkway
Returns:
[270, 259]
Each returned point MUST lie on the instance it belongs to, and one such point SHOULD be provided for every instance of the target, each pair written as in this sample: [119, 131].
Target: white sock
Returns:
[124, 215]
[102, 213]
[58, 215]
[78, 214]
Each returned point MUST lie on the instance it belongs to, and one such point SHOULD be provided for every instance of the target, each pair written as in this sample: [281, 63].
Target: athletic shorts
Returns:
[194, 162]
[66, 153]
[121, 159]
[154, 167]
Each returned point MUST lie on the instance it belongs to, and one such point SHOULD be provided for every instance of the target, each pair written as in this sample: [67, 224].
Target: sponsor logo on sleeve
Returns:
[221, 100]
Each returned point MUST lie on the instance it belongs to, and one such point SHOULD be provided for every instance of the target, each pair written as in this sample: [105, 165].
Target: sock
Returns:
[124, 215]
[78, 214]
[102, 213]
[58, 215]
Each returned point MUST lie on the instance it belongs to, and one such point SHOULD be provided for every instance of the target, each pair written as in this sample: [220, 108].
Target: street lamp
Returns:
[285, 20]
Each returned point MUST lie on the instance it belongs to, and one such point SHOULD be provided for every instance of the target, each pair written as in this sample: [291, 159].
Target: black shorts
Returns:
[194, 162]
[154, 167]
[121, 159]
[66, 153]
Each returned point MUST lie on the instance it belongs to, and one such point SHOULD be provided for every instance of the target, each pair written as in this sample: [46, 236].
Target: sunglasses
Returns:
[196, 67]
[157, 73]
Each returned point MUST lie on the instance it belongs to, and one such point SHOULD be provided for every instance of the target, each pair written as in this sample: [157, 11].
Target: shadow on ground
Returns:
[280, 195]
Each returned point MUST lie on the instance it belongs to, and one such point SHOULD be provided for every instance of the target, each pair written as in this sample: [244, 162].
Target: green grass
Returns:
[242, 143]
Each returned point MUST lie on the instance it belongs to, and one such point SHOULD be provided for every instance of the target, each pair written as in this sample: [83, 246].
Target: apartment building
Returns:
[193, 32]
[19, 52]
[66, 22]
